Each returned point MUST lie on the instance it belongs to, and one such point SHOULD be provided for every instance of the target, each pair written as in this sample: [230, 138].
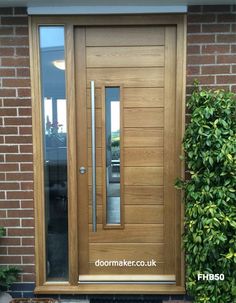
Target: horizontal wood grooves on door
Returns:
[143, 117]
[134, 97]
[136, 214]
[143, 137]
[143, 156]
[134, 156]
[143, 97]
[128, 251]
[98, 137]
[132, 77]
[138, 53]
[118, 56]
[143, 176]
[133, 233]
[128, 270]
[135, 195]
[131, 56]
[124, 36]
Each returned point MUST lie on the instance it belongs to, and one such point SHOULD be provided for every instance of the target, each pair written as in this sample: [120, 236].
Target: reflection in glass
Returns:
[55, 151]
[112, 96]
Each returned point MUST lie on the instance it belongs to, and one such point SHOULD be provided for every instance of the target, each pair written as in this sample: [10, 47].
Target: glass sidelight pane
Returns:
[112, 110]
[55, 150]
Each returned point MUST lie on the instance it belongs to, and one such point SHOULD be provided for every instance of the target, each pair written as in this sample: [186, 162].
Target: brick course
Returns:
[211, 58]
[16, 185]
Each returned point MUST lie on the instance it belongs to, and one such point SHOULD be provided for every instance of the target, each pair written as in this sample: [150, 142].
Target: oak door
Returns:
[134, 74]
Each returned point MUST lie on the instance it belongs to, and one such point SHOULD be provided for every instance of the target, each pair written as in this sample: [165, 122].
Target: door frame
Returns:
[70, 22]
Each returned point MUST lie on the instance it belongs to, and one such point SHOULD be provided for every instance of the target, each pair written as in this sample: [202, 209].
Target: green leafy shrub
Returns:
[210, 195]
[2, 232]
[8, 274]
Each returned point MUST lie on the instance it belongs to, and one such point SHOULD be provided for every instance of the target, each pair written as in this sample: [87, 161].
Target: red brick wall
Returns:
[16, 176]
[211, 59]
[211, 54]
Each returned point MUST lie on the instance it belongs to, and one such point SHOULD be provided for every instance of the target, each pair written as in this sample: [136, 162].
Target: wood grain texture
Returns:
[133, 214]
[143, 176]
[39, 210]
[127, 270]
[128, 251]
[126, 56]
[180, 128]
[143, 117]
[143, 156]
[141, 214]
[99, 179]
[128, 77]
[170, 149]
[143, 97]
[98, 156]
[128, 20]
[82, 185]
[133, 137]
[98, 137]
[98, 195]
[133, 233]
[144, 195]
[98, 100]
[124, 36]
[143, 137]
[71, 158]
[98, 118]
[99, 214]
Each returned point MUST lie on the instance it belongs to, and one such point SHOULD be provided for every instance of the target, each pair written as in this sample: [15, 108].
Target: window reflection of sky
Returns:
[115, 116]
[53, 79]
[51, 36]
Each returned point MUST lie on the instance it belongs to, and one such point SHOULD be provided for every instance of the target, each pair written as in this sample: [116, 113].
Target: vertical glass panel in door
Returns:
[54, 115]
[112, 109]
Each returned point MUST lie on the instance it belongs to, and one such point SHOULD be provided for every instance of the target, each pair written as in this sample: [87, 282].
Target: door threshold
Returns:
[129, 282]
[166, 279]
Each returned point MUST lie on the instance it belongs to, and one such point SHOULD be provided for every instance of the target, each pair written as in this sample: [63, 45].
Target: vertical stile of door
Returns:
[71, 156]
[81, 110]
[169, 149]
[180, 126]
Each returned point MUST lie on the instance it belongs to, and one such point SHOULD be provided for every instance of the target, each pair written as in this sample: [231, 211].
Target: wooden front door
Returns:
[134, 66]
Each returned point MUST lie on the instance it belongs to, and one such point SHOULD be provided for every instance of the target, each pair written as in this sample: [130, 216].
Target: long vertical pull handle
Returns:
[94, 202]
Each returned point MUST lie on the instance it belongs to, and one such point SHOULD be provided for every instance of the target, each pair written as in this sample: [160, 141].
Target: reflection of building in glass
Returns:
[113, 154]
[55, 151]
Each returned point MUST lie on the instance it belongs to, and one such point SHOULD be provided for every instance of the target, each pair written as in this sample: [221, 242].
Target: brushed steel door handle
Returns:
[93, 120]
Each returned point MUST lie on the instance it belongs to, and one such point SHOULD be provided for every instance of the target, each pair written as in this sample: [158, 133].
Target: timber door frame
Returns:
[69, 23]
